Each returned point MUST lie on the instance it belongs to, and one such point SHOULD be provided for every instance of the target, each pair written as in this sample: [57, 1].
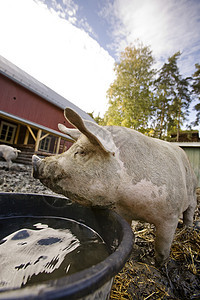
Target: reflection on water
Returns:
[38, 249]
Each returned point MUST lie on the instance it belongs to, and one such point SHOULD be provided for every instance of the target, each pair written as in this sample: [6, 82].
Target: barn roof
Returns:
[11, 71]
[187, 144]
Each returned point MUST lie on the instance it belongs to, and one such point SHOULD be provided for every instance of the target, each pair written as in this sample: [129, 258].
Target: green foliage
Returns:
[172, 99]
[130, 95]
[153, 102]
[196, 91]
[97, 119]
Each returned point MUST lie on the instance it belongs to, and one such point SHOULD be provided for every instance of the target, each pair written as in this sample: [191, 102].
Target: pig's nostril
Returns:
[35, 162]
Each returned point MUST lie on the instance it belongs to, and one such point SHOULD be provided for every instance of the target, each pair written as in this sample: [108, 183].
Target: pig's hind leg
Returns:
[164, 237]
[188, 214]
[9, 159]
[9, 163]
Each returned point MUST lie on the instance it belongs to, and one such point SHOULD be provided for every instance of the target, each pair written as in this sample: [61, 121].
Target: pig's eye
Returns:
[80, 152]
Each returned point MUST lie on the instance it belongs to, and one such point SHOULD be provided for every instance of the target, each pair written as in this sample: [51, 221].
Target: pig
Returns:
[8, 153]
[140, 177]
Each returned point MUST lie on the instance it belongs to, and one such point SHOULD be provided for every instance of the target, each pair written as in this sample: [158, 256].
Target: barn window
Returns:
[7, 132]
[45, 144]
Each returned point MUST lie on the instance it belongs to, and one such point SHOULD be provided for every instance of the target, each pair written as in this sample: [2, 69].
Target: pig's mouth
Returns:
[56, 184]
[38, 172]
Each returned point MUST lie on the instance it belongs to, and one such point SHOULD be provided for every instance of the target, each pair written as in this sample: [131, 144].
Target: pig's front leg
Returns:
[164, 237]
[9, 163]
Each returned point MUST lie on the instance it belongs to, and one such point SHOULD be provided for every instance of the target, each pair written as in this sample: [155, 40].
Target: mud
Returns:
[178, 279]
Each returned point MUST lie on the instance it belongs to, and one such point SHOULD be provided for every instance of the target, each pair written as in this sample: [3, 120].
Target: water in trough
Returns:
[36, 249]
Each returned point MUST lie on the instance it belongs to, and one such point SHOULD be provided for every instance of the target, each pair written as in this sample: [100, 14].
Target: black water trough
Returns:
[91, 283]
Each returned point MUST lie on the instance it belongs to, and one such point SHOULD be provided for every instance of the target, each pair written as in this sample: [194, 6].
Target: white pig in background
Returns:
[8, 153]
[139, 177]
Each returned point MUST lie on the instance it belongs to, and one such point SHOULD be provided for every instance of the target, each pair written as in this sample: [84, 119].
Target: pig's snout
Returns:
[36, 162]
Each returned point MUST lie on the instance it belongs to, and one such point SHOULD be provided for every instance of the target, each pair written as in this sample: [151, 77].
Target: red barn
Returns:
[30, 112]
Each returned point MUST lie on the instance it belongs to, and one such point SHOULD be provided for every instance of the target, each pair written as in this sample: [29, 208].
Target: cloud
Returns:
[56, 53]
[166, 26]
[69, 11]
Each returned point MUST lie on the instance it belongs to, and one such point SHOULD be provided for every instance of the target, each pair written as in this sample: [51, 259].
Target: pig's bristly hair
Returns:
[95, 133]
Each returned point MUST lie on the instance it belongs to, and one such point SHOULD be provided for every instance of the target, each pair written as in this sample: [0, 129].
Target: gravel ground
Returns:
[19, 180]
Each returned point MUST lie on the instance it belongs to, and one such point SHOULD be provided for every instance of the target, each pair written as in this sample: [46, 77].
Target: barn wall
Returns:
[17, 100]
[193, 154]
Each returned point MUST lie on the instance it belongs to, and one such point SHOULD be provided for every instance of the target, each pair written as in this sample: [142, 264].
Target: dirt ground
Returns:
[179, 278]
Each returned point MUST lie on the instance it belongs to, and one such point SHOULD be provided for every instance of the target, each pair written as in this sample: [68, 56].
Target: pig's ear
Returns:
[73, 133]
[95, 133]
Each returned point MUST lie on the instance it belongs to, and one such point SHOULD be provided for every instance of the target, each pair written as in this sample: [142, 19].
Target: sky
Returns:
[71, 45]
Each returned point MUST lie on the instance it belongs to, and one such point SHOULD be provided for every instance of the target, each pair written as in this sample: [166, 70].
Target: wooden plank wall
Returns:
[193, 154]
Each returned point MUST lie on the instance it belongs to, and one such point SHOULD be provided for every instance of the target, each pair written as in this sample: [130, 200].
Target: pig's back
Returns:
[154, 160]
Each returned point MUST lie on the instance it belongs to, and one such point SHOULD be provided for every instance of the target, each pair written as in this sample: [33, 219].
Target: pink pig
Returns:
[139, 177]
